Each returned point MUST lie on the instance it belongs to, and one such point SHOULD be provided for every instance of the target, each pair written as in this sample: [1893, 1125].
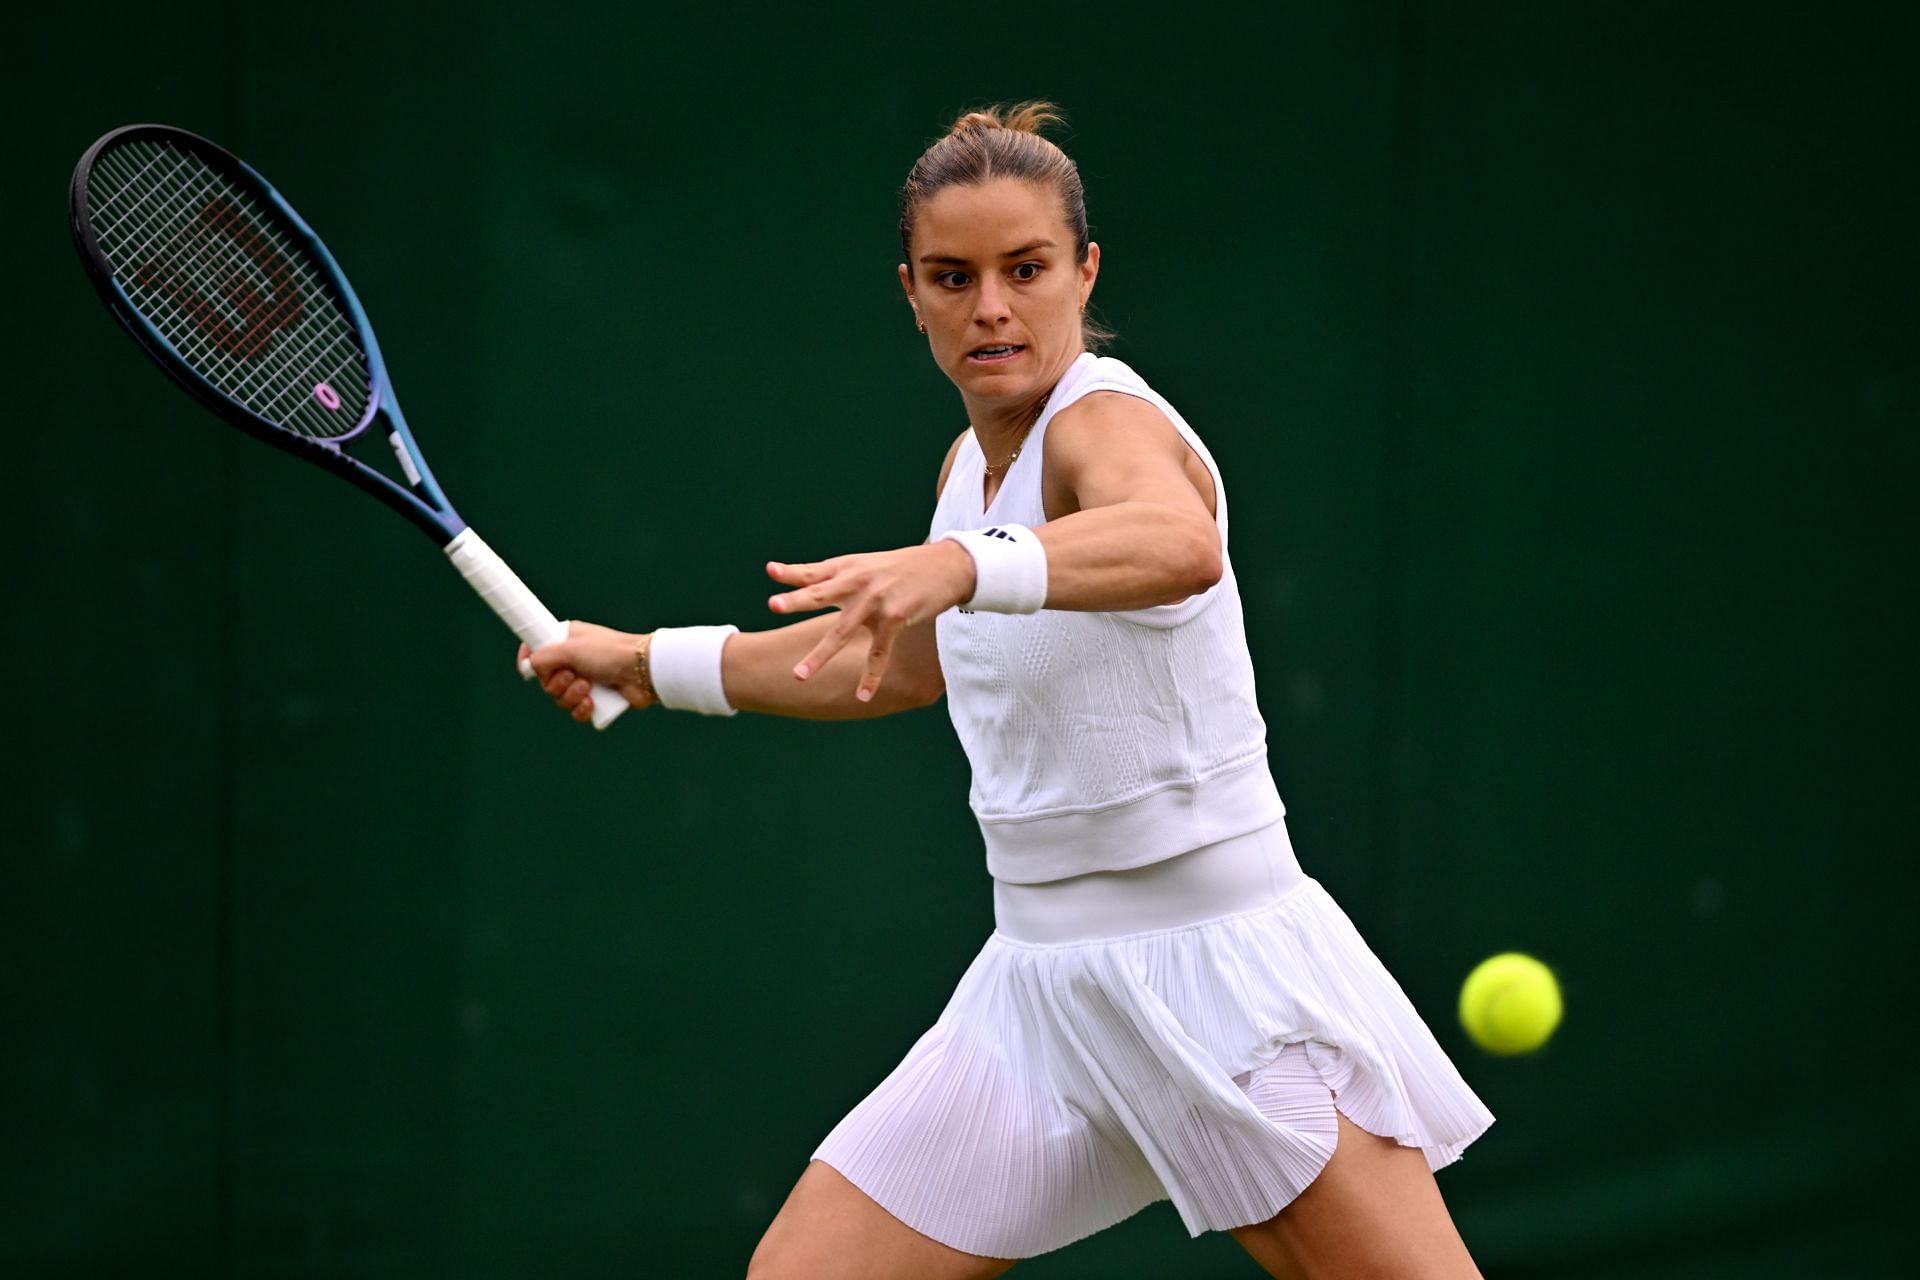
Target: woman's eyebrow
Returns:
[1011, 253]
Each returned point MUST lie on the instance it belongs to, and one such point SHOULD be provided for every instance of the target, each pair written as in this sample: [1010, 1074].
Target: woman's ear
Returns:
[906, 287]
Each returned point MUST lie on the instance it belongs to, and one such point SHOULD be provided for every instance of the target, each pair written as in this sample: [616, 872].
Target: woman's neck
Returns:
[1000, 428]
[1000, 425]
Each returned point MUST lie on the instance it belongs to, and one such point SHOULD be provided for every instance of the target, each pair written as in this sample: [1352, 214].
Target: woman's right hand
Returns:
[568, 669]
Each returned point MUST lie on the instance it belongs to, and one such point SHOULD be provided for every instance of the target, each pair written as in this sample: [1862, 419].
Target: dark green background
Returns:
[1561, 363]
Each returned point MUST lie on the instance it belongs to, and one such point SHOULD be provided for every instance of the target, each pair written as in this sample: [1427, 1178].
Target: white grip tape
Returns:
[1009, 568]
[521, 610]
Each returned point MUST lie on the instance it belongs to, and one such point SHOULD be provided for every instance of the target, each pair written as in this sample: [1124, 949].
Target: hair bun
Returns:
[1025, 117]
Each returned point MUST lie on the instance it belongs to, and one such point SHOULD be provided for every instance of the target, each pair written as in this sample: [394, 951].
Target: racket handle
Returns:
[521, 610]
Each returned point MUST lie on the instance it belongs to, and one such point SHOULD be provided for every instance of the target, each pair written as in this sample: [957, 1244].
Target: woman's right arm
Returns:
[757, 668]
[756, 671]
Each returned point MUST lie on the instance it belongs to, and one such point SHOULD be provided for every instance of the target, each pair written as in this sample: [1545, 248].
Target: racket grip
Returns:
[521, 610]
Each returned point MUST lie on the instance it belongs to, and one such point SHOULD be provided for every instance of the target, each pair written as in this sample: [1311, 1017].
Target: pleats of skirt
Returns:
[1065, 1087]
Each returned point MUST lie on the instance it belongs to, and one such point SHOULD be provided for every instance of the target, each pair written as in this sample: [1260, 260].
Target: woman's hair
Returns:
[1002, 142]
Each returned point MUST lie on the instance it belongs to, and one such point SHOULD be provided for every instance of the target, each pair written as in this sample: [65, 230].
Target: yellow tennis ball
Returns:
[1510, 1003]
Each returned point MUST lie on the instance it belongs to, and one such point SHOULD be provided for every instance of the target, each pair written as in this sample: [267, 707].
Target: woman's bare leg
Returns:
[829, 1229]
[1374, 1213]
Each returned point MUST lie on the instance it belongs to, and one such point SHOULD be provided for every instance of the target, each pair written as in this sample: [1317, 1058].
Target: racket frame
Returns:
[421, 501]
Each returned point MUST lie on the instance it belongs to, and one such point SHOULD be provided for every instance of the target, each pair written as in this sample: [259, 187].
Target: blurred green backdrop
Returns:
[1561, 362]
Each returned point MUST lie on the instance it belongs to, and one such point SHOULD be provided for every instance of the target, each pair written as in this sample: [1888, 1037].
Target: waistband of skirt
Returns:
[1231, 876]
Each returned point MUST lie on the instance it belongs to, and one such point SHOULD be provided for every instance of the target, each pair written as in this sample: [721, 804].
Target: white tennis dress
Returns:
[1169, 1007]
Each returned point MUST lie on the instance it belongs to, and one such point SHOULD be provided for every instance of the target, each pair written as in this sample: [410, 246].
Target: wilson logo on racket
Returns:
[260, 313]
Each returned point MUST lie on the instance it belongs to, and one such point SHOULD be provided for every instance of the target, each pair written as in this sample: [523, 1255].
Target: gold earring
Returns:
[918, 323]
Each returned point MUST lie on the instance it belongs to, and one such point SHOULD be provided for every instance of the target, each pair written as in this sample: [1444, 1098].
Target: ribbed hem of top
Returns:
[1158, 825]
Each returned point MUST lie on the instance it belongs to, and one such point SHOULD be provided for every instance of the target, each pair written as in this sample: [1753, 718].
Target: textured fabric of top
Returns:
[1100, 741]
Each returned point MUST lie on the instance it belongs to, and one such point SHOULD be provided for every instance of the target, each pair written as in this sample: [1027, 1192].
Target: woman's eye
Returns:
[1026, 271]
[953, 279]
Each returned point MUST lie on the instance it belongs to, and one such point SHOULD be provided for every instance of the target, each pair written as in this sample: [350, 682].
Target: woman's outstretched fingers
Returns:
[877, 655]
[807, 577]
[798, 575]
[833, 642]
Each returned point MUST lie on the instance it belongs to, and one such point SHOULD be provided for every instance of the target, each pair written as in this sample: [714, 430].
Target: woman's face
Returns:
[994, 280]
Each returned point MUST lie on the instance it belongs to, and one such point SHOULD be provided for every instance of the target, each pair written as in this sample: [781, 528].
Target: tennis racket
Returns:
[229, 291]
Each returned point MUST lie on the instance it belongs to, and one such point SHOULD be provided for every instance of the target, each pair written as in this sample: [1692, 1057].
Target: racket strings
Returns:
[263, 314]
[241, 302]
[206, 230]
[188, 244]
[231, 352]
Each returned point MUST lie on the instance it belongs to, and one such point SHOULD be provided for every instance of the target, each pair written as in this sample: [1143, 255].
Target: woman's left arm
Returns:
[1136, 531]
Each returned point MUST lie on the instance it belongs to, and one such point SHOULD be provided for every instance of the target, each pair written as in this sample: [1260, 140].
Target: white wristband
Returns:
[1009, 568]
[685, 665]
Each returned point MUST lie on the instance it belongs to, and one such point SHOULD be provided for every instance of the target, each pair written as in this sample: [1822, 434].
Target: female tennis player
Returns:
[1168, 1007]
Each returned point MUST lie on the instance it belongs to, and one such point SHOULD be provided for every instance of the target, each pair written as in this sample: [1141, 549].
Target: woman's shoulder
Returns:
[1091, 374]
[1090, 370]
[1097, 387]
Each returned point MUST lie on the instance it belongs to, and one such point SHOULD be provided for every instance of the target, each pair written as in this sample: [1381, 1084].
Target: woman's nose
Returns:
[990, 303]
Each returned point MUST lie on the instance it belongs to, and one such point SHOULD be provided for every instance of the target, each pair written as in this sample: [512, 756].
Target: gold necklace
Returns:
[1018, 445]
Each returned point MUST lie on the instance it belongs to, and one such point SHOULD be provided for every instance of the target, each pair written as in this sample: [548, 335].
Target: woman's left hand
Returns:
[883, 591]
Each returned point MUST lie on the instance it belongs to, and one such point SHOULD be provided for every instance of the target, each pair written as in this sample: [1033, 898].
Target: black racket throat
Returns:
[359, 460]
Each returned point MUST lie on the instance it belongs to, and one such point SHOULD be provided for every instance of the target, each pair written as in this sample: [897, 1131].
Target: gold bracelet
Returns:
[643, 673]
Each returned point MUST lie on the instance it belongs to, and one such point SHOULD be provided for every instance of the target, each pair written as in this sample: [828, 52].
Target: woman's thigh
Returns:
[829, 1229]
[1374, 1213]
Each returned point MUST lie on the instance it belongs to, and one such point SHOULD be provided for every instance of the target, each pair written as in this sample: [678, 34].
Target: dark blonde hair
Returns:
[1002, 142]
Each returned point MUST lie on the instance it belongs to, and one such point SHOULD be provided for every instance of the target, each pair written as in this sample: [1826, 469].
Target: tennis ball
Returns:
[1510, 1003]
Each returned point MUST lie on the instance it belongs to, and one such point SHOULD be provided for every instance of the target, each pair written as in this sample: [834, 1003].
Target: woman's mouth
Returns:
[998, 353]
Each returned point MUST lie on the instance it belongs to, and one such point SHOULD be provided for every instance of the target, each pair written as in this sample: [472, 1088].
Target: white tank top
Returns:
[1100, 741]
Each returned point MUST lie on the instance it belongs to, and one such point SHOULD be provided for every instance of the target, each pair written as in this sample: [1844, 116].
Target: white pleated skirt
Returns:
[1183, 1031]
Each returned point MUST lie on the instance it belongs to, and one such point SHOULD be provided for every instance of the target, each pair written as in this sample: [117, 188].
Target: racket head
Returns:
[228, 290]
[225, 286]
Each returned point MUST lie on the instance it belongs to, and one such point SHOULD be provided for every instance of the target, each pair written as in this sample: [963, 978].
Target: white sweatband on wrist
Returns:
[685, 665]
[1009, 568]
